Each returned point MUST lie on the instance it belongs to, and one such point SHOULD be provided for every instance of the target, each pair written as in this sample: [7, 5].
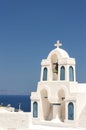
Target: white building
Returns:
[59, 96]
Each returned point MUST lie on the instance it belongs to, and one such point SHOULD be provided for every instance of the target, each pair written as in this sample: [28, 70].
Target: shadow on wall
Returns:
[46, 106]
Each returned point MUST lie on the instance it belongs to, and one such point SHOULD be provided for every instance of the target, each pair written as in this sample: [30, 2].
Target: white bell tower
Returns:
[57, 78]
[58, 66]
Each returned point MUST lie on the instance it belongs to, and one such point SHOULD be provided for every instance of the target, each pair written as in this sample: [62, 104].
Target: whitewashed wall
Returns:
[15, 120]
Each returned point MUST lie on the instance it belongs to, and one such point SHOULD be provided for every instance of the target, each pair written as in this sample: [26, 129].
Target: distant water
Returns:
[15, 100]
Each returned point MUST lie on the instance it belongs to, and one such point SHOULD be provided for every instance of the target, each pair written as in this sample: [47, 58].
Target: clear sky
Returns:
[28, 31]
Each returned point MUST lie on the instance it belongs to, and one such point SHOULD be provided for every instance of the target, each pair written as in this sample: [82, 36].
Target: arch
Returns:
[60, 100]
[44, 93]
[61, 95]
[70, 111]
[71, 73]
[45, 74]
[35, 109]
[62, 91]
[62, 73]
[45, 105]
[54, 62]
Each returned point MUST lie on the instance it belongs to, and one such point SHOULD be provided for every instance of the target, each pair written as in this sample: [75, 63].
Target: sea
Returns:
[16, 101]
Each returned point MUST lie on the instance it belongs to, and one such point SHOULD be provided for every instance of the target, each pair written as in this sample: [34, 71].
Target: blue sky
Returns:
[28, 31]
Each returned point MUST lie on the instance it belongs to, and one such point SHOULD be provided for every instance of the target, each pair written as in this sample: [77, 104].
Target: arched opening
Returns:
[61, 103]
[46, 106]
[70, 111]
[62, 73]
[45, 74]
[54, 62]
[61, 95]
[71, 73]
[35, 109]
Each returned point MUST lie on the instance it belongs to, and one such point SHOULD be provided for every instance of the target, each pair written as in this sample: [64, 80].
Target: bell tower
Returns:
[58, 66]
[57, 78]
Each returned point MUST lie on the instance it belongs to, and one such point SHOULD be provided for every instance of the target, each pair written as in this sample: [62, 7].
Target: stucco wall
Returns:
[15, 120]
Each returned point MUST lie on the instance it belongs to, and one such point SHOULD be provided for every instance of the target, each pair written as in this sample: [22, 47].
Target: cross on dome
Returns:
[58, 44]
